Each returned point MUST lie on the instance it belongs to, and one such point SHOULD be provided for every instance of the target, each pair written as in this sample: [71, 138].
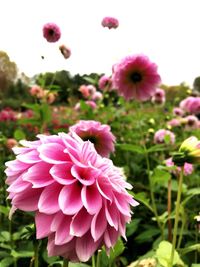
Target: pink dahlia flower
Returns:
[77, 185]
[136, 77]
[105, 83]
[191, 104]
[51, 32]
[174, 123]
[110, 22]
[160, 135]
[65, 51]
[159, 96]
[178, 112]
[99, 134]
[192, 122]
[187, 168]
[97, 96]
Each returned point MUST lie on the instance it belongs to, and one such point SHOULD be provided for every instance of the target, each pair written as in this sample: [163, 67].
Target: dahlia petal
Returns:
[29, 157]
[43, 223]
[21, 150]
[98, 225]
[104, 188]
[54, 250]
[112, 215]
[48, 202]
[28, 201]
[122, 204]
[38, 175]
[85, 247]
[18, 185]
[85, 176]
[17, 165]
[62, 235]
[53, 153]
[91, 198]
[75, 228]
[30, 144]
[62, 173]
[110, 237]
[70, 199]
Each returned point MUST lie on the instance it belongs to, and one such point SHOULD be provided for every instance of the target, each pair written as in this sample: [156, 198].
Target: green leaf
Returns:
[22, 254]
[141, 197]
[156, 148]
[117, 250]
[163, 254]
[19, 134]
[190, 248]
[195, 265]
[147, 235]
[6, 262]
[160, 176]
[132, 227]
[4, 210]
[78, 265]
[132, 148]
[90, 80]
[45, 113]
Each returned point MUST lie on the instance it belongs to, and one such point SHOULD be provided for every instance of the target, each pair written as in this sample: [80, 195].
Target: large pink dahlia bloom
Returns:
[99, 134]
[79, 198]
[136, 77]
[51, 32]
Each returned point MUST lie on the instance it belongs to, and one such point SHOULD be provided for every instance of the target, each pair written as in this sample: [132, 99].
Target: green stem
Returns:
[98, 258]
[65, 263]
[169, 209]
[93, 261]
[176, 217]
[36, 254]
[181, 234]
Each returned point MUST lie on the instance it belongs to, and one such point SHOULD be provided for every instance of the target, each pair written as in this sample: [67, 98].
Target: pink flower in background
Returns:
[192, 122]
[135, 77]
[191, 104]
[7, 114]
[110, 22]
[37, 91]
[158, 97]
[178, 112]
[11, 142]
[105, 83]
[187, 168]
[51, 32]
[97, 96]
[160, 135]
[174, 123]
[99, 134]
[91, 103]
[84, 91]
[91, 89]
[65, 51]
[77, 188]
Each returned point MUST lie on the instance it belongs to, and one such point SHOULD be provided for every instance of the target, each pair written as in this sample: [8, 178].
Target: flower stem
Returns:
[36, 254]
[93, 260]
[98, 258]
[176, 217]
[65, 263]
[169, 203]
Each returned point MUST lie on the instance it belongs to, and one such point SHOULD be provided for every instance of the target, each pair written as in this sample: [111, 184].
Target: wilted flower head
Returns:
[105, 83]
[65, 51]
[51, 32]
[110, 22]
[80, 200]
[189, 151]
[136, 77]
[178, 111]
[99, 134]
[161, 135]
[187, 167]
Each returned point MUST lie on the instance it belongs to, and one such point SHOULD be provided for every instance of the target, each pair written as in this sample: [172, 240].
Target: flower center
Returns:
[92, 139]
[136, 77]
[51, 32]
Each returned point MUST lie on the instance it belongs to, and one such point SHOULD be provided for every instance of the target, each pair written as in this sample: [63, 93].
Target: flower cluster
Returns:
[110, 22]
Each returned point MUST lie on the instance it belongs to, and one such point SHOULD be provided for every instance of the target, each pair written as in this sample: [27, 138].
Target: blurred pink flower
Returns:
[99, 134]
[105, 83]
[187, 168]
[136, 77]
[84, 91]
[80, 200]
[11, 142]
[51, 32]
[91, 89]
[178, 112]
[91, 103]
[174, 122]
[110, 22]
[192, 122]
[37, 91]
[7, 114]
[191, 104]
[97, 96]
[65, 51]
[159, 136]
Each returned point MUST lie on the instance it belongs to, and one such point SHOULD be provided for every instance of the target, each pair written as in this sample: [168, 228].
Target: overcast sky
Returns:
[167, 31]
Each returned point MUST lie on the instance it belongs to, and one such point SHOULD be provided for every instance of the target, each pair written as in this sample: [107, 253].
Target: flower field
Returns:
[99, 170]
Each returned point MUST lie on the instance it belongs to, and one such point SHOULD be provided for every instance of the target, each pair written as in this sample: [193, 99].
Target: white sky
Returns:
[167, 31]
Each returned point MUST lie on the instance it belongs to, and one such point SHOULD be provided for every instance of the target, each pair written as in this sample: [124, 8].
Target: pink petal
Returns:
[62, 234]
[28, 201]
[48, 202]
[85, 175]
[110, 237]
[91, 198]
[18, 185]
[39, 175]
[104, 188]
[98, 225]
[112, 215]
[75, 228]
[43, 223]
[62, 173]
[29, 157]
[17, 165]
[53, 153]
[70, 199]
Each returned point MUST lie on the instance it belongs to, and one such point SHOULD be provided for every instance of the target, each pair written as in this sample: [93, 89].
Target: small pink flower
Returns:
[51, 32]
[80, 200]
[187, 168]
[105, 83]
[65, 51]
[11, 142]
[84, 91]
[99, 134]
[192, 122]
[191, 105]
[77, 107]
[174, 123]
[159, 136]
[91, 103]
[7, 114]
[97, 96]
[37, 91]
[50, 98]
[178, 111]
[91, 89]
[110, 22]
[136, 77]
